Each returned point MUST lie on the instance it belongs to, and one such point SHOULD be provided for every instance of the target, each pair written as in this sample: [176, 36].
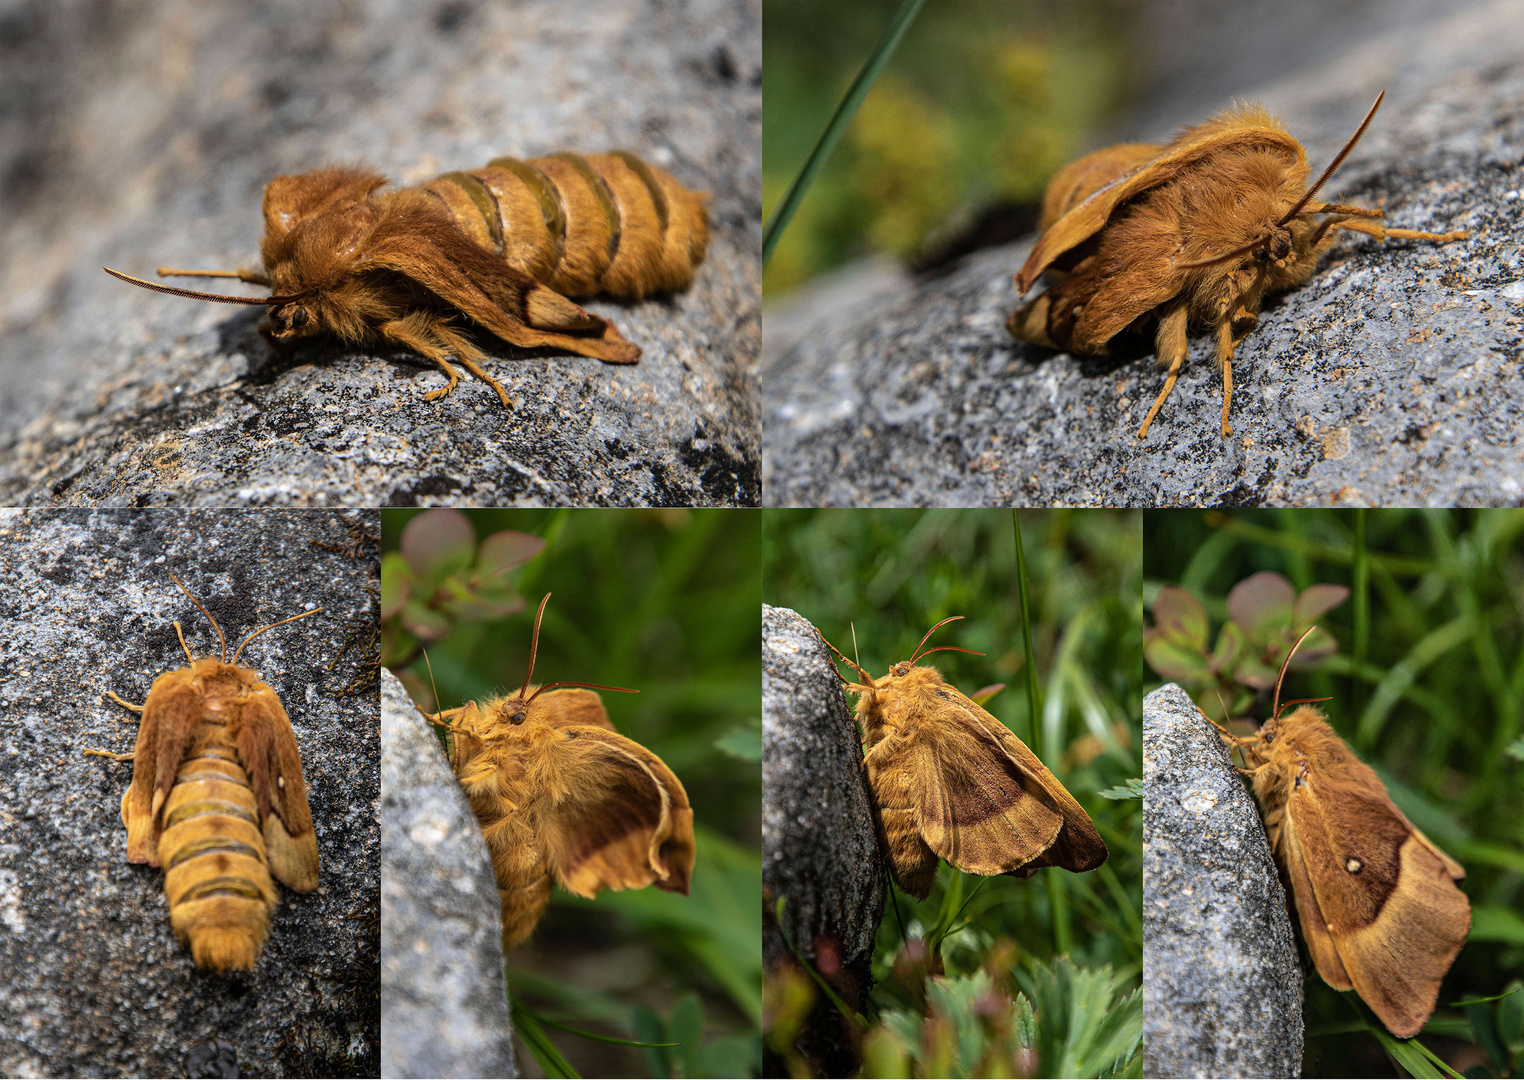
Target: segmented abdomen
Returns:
[582, 224]
[216, 871]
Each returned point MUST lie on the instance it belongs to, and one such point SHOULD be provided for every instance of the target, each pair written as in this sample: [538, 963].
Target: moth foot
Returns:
[124, 704]
[108, 754]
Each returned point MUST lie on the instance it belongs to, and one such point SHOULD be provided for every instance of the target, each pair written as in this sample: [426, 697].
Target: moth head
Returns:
[1275, 241]
[292, 320]
[293, 314]
[1276, 247]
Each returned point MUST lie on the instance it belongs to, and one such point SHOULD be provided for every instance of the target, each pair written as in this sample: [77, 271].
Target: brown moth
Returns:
[1376, 899]
[951, 782]
[217, 799]
[502, 247]
[561, 796]
[1194, 233]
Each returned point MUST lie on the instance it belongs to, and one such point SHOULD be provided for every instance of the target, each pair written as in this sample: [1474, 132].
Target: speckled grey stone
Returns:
[92, 980]
[819, 848]
[1393, 378]
[443, 995]
[139, 135]
[1223, 978]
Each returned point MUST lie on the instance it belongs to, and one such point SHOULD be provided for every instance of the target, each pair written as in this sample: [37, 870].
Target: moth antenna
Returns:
[589, 685]
[933, 630]
[1305, 701]
[534, 645]
[845, 660]
[220, 639]
[949, 648]
[1295, 210]
[1215, 259]
[1275, 707]
[272, 626]
[192, 294]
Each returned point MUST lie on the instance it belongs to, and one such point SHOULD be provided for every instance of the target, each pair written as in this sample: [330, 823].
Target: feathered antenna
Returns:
[534, 648]
[940, 648]
[221, 298]
[1276, 706]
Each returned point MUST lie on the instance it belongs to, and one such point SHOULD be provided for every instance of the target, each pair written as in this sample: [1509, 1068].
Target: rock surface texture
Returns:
[820, 850]
[1392, 378]
[1223, 975]
[95, 982]
[142, 135]
[442, 990]
[819, 847]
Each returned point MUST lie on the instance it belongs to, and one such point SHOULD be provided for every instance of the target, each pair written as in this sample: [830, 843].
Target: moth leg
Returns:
[1340, 208]
[1381, 232]
[467, 354]
[108, 754]
[412, 332]
[1173, 348]
[124, 704]
[1225, 345]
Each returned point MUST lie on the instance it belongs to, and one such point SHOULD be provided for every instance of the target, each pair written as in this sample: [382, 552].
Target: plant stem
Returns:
[837, 125]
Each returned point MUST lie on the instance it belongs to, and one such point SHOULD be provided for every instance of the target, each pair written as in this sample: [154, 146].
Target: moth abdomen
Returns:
[582, 224]
[216, 868]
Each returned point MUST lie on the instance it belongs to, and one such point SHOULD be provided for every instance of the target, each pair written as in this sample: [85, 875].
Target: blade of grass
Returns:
[548, 1022]
[1259, 534]
[1362, 609]
[544, 1051]
[837, 125]
[1056, 900]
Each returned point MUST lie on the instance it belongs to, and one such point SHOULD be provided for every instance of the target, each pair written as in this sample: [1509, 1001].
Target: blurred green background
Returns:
[893, 574]
[666, 602]
[1427, 686]
[982, 102]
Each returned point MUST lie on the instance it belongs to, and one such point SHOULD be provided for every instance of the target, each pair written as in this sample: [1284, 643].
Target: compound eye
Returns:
[903, 669]
[516, 718]
[1282, 247]
[1260, 254]
[299, 317]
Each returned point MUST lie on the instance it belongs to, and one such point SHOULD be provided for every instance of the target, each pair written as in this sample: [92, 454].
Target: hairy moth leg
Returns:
[412, 332]
[468, 355]
[1381, 232]
[1173, 346]
[107, 753]
[1225, 345]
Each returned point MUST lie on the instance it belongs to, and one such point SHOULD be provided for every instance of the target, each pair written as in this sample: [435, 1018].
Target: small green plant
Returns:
[442, 576]
[1266, 615]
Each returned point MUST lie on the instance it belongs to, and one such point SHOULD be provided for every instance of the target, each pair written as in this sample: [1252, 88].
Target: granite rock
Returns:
[1221, 966]
[819, 847]
[1393, 378]
[92, 980]
[443, 995]
[141, 135]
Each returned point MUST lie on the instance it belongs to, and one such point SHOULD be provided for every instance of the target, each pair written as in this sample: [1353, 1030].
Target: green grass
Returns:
[892, 575]
[666, 602]
[1427, 688]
